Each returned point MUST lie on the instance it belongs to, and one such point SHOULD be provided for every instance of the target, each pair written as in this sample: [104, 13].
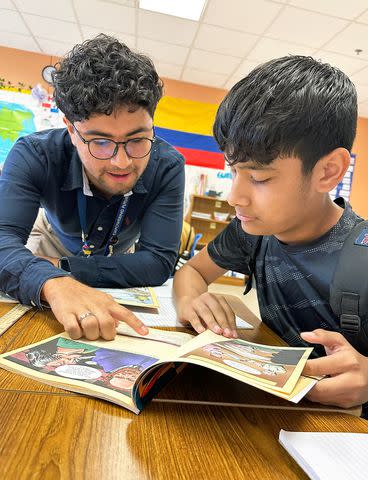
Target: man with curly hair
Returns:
[110, 192]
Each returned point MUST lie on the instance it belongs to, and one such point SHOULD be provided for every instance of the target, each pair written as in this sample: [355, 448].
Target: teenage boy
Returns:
[286, 130]
[106, 184]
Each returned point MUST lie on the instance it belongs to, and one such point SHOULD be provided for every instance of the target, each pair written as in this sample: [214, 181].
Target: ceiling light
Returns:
[189, 9]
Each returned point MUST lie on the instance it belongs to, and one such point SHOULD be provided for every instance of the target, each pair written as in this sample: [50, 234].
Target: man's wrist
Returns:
[52, 286]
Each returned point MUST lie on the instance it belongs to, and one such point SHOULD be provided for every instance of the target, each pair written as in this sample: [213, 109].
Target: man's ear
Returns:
[330, 169]
[70, 129]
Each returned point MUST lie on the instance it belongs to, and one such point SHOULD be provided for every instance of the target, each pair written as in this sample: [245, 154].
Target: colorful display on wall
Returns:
[21, 114]
[187, 125]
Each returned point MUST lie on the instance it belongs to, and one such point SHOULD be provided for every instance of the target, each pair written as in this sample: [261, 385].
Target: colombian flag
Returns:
[187, 125]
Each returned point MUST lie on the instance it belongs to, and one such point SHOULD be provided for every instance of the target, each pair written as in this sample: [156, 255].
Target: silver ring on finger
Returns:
[85, 315]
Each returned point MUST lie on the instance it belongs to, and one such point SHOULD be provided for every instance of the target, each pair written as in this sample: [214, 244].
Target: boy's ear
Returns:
[70, 129]
[330, 169]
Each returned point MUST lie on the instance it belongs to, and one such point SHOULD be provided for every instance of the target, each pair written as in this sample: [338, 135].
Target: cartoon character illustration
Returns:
[114, 369]
[124, 378]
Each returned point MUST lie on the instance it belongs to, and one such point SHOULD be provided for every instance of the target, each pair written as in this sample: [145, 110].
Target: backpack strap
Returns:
[256, 243]
[349, 287]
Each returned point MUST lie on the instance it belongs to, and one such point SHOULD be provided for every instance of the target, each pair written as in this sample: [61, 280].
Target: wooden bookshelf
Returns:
[211, 227]
[208, 227]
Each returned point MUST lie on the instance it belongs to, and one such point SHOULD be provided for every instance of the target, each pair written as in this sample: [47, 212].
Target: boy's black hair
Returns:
[290, 106]
[102, 75]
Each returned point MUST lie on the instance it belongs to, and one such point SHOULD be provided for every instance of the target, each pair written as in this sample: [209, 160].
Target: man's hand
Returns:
[347, 384]
[208, 311]
[84, 311]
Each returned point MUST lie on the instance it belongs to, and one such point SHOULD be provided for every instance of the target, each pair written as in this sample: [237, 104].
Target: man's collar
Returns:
[86, 188]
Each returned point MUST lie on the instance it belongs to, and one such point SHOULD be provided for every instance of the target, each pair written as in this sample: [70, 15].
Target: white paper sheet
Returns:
[328, 456]
[166, 315]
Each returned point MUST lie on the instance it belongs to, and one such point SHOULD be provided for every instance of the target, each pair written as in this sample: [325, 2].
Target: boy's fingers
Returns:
[330, 365]
[220, 314]
[230, 315]
[196, 323]
[207, 317]
[333, 391]
[326, 338]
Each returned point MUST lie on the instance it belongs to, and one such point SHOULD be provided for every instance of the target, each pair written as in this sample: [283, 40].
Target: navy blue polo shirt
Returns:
[44, 170]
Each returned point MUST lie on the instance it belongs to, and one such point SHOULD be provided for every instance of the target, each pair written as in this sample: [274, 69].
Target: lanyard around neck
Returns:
[113, 237]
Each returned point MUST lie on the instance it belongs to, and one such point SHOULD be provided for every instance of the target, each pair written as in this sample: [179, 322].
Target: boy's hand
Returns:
[347, 384]
[84, 311]
[208, 311]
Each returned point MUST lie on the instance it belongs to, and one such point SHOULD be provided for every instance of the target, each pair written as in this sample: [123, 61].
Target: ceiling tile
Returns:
[244, 68]
[307, 28]
[363, 18]
[166, 28]
[224, 41]
[163, 52]
[91, 32]
[7, 4]
[335, 8]
[355, 36]
[168, 70]
[268, 48]
[15, 40]
[363, 109]
[59, 9]
[108, 16]
[348, 65]
[361, 77]
[243, 15]
[212, 62]
[53, 47]
[53, 29]
[203, 78]
[12, 22]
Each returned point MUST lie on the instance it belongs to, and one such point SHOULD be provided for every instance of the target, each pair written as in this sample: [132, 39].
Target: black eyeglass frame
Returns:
[87, 142]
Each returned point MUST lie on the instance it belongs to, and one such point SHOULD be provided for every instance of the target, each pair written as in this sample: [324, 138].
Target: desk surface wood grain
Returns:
[52, 434]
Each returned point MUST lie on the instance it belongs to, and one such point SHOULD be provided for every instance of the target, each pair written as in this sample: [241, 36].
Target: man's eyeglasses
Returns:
[104, 148]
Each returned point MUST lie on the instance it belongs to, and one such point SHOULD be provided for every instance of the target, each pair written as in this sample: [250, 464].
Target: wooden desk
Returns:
[47, 433]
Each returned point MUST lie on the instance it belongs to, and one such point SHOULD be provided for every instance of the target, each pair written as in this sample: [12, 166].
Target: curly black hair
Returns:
[102, 75]
[289, 106]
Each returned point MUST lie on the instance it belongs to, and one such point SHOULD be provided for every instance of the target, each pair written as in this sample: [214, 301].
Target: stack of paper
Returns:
[329, 456]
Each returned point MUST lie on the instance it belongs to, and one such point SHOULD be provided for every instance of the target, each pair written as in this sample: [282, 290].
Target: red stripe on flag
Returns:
[201, 158]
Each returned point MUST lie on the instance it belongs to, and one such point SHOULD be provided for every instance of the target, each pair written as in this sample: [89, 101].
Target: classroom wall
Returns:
[20, 66]
[359, 190]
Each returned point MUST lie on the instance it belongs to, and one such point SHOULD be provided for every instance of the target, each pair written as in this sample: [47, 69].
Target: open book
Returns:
[131, 369]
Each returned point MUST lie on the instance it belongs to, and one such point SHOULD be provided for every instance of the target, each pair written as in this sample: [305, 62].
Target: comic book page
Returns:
[136, 297]
[105, 369]
[271, 368]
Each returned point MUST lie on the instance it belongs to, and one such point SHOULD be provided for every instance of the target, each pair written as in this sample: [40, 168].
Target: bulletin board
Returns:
[21, 114]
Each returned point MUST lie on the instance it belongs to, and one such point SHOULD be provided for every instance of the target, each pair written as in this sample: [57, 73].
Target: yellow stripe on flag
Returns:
[185, 115]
